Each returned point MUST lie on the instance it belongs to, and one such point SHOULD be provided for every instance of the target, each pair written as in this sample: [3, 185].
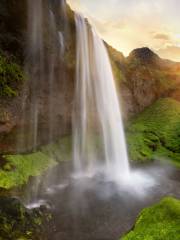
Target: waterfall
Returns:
[35, 58]
[44, 90]
[97, 114]
[47, 30]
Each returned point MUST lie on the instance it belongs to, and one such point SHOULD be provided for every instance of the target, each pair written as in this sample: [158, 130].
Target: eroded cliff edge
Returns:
[142, 78]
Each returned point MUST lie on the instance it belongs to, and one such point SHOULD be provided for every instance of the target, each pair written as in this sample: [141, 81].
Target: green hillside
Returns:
[156, 132]
[159, 222]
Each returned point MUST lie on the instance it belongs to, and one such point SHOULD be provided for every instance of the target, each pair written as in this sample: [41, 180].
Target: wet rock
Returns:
[17, 222]
[6, 121]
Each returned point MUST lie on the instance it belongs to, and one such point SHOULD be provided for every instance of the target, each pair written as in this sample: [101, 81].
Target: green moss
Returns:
[61, 150]
[11, 76]
[156, 132]
[20, 167]
[24, 167]
[159, 222]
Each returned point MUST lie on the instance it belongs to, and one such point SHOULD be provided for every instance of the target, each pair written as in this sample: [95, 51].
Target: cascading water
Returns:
[45, 93]
[45, 53]
[97, 114]
[35, 64]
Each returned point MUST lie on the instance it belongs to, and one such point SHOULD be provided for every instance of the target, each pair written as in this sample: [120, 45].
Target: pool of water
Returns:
[98, 208]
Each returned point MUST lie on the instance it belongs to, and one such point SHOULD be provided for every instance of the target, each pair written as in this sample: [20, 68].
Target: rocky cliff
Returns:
[19, 92]
[142, 78]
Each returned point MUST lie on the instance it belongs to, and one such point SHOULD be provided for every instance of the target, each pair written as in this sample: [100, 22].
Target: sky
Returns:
[130, 24]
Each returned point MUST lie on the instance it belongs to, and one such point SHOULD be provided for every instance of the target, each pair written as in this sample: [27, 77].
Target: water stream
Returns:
[97, 113]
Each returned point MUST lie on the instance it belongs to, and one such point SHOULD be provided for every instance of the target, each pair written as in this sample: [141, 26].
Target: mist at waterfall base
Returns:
[93, 208]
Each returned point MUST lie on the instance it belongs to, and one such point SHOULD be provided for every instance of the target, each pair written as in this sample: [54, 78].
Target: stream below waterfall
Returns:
[97, 209]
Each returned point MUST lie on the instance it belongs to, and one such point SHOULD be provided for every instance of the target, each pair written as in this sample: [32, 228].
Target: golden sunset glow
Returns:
[131, 24]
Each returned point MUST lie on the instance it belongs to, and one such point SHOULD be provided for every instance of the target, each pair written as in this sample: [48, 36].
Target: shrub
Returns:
[11, 76]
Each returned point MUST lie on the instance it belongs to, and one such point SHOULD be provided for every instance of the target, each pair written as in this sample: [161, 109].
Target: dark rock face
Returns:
[145, 55]
[13, 16]
[56, 100]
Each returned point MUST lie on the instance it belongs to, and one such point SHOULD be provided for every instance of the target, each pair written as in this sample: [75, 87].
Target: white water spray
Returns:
[97, 113]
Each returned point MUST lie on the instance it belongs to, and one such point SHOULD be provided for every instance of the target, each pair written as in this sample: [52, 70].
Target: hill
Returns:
[155, 132]
[160, 221]
[143, 78]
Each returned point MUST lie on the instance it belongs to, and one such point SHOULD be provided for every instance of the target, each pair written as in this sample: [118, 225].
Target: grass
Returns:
[19, 168]
[155, 133]
[159, 222]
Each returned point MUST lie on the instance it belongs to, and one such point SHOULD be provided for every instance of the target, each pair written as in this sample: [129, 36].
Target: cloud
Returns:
[161, 36]
[135, 23]
[170, 52]
[110, 26]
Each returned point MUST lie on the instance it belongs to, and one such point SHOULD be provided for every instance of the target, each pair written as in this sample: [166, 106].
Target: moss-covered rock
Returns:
[18, 168]
[159, 222]
[156, 132]
[19, 223]
[11, 77]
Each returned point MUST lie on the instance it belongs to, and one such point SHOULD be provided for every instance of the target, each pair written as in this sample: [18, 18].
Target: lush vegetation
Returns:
[18, 168]
[11, 76]
[159, 222]
[156, 132]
